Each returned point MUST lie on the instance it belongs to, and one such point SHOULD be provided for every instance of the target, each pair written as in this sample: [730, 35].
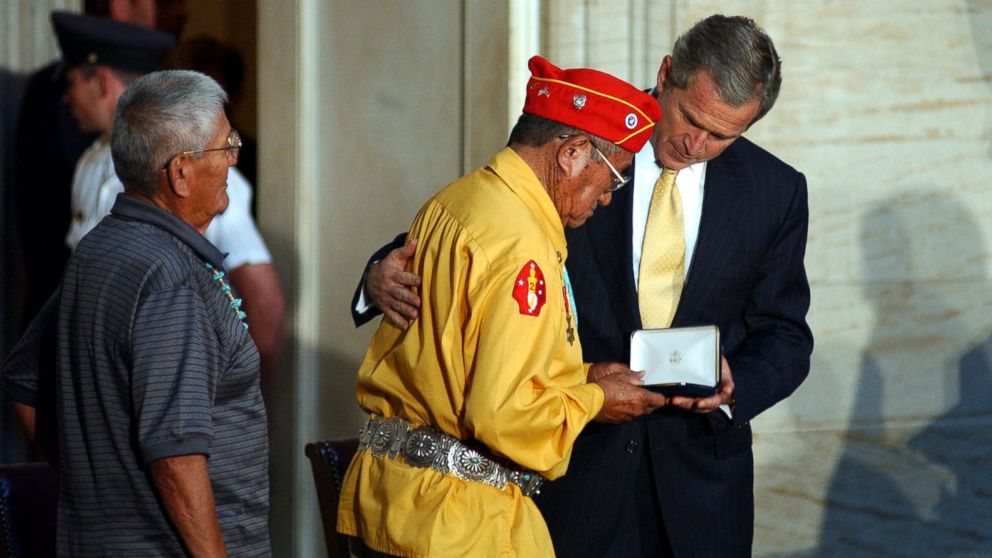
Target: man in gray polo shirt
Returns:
[162, 448]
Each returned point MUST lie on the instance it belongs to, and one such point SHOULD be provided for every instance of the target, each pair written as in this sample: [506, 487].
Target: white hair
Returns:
[159, 116]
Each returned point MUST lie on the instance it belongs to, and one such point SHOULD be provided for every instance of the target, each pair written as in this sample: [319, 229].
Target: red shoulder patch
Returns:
[529, 289]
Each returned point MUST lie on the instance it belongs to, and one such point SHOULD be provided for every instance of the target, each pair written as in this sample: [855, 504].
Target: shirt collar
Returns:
[147, 212]
[520, 178]
[647, 171]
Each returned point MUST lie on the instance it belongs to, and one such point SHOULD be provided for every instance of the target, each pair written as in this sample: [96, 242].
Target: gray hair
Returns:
[159, 116]
[738, 56]
[536, 131]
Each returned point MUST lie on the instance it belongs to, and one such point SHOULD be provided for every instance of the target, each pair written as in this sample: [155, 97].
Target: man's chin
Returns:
[226, 203]
[578, 221]
[671, 159]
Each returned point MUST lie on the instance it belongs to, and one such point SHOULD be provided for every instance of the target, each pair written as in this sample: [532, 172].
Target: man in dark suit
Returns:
[679, 482]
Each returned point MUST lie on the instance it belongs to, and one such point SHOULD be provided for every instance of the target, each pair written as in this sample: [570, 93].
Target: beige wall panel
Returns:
[609, 38]
[390, 135]
[287, 218]
[627, 39]
[564, 32]
[486, 69]
[858, 112]
[652, 31]
[26, 37]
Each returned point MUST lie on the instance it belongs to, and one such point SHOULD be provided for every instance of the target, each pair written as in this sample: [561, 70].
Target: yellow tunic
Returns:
[475, 367]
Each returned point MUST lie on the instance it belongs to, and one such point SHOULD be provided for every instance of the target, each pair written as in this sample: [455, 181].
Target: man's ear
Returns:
[103, 77]
[663, 70]
[178, 170]
[573, 155]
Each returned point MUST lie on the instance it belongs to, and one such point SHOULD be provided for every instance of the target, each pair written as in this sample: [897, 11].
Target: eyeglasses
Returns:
[233, 146]
[619, 180]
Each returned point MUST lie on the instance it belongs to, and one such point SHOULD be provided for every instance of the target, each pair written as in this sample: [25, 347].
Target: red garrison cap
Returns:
[593, 102]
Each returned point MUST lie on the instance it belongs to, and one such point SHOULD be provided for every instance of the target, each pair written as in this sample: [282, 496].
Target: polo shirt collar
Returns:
[147, 212]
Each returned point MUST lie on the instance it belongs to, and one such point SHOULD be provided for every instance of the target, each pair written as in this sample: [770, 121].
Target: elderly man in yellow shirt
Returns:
[483, 396]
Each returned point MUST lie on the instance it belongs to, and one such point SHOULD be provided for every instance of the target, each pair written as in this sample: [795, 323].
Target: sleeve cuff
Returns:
[21, 394]
[362, 305]
[173, 448]
[592, 395]
[257, 255]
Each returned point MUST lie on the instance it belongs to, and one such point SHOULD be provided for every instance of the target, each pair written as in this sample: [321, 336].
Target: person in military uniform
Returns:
[47, 144]
[481, 399]
[100, 58]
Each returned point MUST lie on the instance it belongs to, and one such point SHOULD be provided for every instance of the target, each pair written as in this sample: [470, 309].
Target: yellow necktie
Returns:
[659, 283]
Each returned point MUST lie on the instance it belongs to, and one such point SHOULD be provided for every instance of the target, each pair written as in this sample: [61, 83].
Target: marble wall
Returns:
[887, 108]
[886, 450]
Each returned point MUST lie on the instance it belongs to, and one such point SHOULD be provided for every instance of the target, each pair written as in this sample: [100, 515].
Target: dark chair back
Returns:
[28, 502]
[329, 460]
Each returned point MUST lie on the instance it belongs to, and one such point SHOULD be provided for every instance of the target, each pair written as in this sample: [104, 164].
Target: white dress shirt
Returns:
[94, 186]
[689, 181]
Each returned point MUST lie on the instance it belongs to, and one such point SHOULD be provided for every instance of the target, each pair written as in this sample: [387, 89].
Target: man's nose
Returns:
[695, 141]
[605, 199]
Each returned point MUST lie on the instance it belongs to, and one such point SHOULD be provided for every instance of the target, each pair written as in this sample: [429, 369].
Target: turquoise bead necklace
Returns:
[225, 287]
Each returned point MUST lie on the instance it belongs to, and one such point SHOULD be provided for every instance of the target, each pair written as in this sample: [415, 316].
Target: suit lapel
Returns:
[720, 193]
[611, 241]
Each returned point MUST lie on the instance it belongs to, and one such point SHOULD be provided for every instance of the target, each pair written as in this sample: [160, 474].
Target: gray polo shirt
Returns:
[152, 361]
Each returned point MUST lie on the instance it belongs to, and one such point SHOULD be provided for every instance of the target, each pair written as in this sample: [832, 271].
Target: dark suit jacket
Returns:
[47, 145]
[747, 277]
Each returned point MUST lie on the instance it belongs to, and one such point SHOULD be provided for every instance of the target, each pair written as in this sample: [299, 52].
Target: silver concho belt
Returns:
[426, 447]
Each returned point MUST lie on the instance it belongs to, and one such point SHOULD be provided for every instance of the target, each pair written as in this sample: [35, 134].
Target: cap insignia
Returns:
[631, 121]
[579, 101]
[544, 91]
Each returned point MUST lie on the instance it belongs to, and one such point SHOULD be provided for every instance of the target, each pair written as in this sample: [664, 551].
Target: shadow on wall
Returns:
[909, 482]
[337, 413]
[922, 491]
[899, 488]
